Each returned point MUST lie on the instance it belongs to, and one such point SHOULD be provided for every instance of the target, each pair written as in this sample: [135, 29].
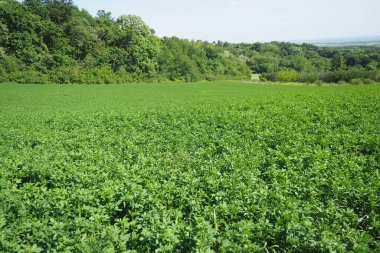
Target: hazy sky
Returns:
[249, 20]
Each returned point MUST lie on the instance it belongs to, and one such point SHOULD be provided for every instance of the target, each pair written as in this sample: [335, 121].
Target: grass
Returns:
[217, 166]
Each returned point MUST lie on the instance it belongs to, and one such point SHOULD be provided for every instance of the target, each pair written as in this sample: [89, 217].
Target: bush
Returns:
[305, 77]
[356, 81]
[62, 75]
[10, 63]
[27, 76]
[287, 76]
[368, 81]
[347, 75]
[94, 75]
[268, 77]
[377, 76]
[3, 73]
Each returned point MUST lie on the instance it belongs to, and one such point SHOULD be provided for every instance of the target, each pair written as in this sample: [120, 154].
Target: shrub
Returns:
[377, 76]
[27, 76]
[305, 77]
[3, 73]
[287, 76]
[368, 81]
[347, 75]
[356, 81]
[268, 77]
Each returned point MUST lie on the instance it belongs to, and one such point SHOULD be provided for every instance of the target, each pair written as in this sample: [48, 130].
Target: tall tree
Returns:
[141, 45]
[336, 61]
[4, 35]
[58, 11]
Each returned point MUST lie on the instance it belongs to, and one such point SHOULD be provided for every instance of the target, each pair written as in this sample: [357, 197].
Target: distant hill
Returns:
[345, 42]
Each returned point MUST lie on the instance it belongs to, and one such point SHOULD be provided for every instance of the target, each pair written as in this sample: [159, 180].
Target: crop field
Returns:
[204, 167]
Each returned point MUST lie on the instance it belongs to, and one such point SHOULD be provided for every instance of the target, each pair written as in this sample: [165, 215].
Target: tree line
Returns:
[53, 41]
[288, 62]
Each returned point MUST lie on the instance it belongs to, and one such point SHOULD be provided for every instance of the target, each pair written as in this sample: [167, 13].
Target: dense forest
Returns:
[53, 41]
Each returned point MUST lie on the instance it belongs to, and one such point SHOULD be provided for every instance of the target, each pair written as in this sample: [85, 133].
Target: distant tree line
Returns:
[288, 62]
[52, 41]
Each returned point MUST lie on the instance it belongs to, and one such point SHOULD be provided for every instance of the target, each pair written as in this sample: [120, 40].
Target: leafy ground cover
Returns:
[206, 167]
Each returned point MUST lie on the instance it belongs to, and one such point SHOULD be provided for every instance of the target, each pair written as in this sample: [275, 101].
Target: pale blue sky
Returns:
[250, 20]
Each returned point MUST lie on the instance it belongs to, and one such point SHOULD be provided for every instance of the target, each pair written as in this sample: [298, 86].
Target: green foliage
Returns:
[48, 36]
[287, 76]
[342, 82]
[69, 48]
[347, 75]
[4, 35]
[58, 11]
[82, 36]
[336, 61]
[368, 81]
[356, 81]
[206, 167]
[264, 63]
[28, 76]
[310, 62]
[192, 61]
[308, 77]
[8, 63]
[134, 24]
